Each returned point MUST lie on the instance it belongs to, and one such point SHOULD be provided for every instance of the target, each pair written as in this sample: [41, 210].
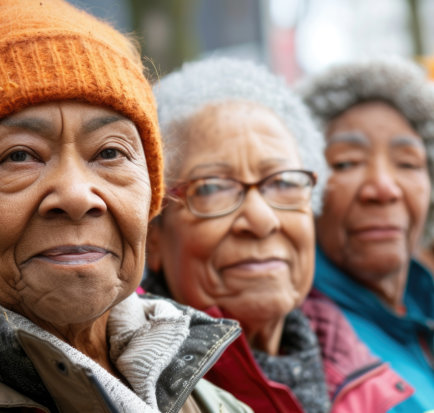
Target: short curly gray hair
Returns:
[183, 93]
[399, 82]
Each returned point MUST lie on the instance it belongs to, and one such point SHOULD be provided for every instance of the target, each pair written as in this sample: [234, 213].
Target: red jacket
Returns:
[357, 382]
[237, 372]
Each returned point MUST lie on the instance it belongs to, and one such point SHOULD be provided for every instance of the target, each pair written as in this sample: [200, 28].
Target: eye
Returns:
[207, 189]
[19, 156]
[210, 187]
[345, 165]
[110, 153]
[284, 183]
[412, 164]
[408, 165]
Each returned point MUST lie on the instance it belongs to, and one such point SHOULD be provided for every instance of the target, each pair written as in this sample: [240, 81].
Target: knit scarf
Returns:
[299, 364]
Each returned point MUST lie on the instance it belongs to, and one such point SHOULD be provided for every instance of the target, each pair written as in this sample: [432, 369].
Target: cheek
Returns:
[130, 208]
[130, 205]
[16, 212]
[188, 247]
[301, 235]
[192, 239]
[331, 224]
[419, 196]
[418, 200]
[338, 198]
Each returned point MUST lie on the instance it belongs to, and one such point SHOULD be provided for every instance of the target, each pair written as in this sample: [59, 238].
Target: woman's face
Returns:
[74, 202]
[377, 195]
[256, 262]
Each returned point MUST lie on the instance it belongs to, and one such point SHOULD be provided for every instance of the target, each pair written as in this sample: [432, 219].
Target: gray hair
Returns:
[182, 94]
[398, 82]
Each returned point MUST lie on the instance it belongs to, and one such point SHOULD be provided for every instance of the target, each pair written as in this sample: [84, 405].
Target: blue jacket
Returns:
[406, 342]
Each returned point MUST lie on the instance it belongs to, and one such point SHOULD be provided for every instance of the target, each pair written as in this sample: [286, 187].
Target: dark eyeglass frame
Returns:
[179, 192]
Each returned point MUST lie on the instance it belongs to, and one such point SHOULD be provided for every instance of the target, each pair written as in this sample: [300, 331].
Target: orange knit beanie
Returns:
[51, 51]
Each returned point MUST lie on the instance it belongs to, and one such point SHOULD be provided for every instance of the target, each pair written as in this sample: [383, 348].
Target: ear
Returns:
[153, 245]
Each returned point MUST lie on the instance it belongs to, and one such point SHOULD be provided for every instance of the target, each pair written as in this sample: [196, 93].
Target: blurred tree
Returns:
[166, 30]
[415, 28]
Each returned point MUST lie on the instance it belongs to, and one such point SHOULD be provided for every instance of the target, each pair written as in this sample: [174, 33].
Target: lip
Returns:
[71, 255]
[254, 265]
[377, 232]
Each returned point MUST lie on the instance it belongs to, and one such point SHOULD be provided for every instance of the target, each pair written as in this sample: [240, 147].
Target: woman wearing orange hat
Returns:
[80, 175]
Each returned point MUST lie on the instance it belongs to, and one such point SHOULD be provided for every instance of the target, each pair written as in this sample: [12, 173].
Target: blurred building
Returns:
[291, 36]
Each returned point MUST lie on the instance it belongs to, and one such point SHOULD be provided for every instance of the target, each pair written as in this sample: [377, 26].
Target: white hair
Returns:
[182, 94]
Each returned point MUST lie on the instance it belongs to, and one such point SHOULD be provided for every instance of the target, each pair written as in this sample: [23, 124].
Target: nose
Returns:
[381, 184]
[255, 216]
[70, 191]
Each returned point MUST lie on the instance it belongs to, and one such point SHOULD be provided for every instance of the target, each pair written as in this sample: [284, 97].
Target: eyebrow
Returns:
[407, 141]
[45, 127]
[99, 122]
[354, 138]
[36, 125]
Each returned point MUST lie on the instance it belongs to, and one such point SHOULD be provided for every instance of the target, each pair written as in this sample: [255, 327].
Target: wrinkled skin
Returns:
[71, 175]
[376, 199]
[255, 263]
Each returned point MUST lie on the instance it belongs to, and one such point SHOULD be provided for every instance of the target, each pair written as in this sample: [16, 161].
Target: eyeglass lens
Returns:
[214, 196]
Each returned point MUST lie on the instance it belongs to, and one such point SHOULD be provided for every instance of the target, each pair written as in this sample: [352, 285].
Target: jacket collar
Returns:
[350, 295]
[174, 332]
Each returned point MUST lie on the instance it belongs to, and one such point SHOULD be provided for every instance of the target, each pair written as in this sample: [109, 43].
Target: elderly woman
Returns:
[237, 239]
[80, 174]
[378, 118]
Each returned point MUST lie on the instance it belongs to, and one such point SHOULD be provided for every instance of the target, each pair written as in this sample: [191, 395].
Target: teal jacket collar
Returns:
[354, 297]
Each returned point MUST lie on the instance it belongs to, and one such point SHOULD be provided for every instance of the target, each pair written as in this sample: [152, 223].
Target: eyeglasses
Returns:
[211, 197]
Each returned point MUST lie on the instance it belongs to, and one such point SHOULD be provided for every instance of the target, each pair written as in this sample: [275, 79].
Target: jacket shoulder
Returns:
[340, 345]
[357, 381]
[11, 399]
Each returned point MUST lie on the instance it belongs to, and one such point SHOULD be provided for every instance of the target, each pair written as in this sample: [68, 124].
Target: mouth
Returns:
[251, 266]
[71, 255]
[378, 232]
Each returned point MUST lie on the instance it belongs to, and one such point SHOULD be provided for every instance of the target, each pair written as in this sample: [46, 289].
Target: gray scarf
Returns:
[299, 365]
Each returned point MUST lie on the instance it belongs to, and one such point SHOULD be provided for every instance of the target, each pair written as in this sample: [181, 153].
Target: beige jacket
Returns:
[157, 346]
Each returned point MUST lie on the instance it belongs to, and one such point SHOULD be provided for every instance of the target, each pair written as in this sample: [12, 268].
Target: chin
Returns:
[380, 263]
[74, 315]
[77, 308]
[265, 310]
[378, 271]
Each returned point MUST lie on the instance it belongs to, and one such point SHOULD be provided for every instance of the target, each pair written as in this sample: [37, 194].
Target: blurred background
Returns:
[292, 37]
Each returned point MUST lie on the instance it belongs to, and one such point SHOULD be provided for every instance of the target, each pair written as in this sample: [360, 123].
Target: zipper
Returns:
[354, 378]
